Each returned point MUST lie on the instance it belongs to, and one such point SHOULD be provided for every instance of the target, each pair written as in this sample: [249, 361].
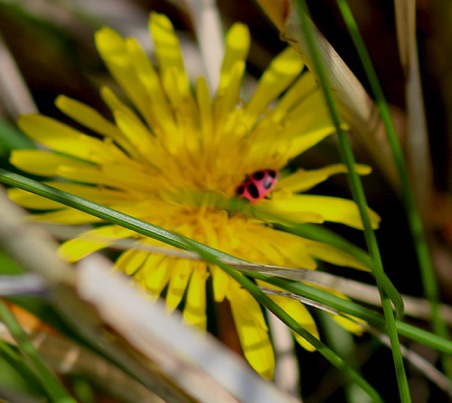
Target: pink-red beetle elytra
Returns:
[258, 185]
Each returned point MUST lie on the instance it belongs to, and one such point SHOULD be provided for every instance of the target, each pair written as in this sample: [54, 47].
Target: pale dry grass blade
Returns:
[196, 362]
[24, 284]
[174, 361]
[287, 374]
[34, 250]
[367, 293]
[14, 94]
[417, 144]
[425, 367]
[127, 17]
[356, 106]
[207, 25]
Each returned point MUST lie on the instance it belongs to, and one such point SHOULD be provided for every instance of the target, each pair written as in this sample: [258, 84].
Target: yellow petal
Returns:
[195, 305]
[62, 138]
[353, 325]
[332, 255]
[168, 52]
[204, 102]
[96, 194]
[300, 314]
[277, 11]
[279, 75]
[155, 273]
[139, 137]
[309, 139]
[276, 210]
[156, 211]
[68, 216]
[220, 283]
[115, 53]
[91, 119]
[44, 163]
[91, 241]
[226, 101]
[309, 114]
[159, 115]
[233, 67]
[274, 247]
[118, 108]
[115, 175]
[171, 64]
[299, 91]
[302, 180]
[180, 275]
[184, 110]
[252, 331]
[131, 260]
[32, 201]
[90, 175]
[237, 46]
[140, 179]
[329, 208]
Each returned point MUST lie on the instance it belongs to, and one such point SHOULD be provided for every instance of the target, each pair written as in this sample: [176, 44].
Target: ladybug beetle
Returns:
[258, 185]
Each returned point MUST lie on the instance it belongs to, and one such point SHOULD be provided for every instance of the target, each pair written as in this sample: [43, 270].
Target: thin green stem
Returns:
[360, 198]
[321, 234]
[149, 230]
[350, 308]
[267, 302]
[11, 356]
[94, 209]
[181, 242]
[49, 382]
[414, 220]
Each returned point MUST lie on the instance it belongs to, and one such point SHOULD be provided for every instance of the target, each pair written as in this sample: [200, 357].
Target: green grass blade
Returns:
[359, 196]
[142, 227]
[15, 373]
[12, 139]
[414, 220]
[97, 210]
[49, 382]
[267, 302]
[181, 242]
[322, 234]
[351, 308]
[342, 343]
[152, 231]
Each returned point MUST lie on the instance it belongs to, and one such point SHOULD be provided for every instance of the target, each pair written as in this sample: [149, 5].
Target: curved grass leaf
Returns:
[356, 188]
[152, 231]
[322, 234]
[204, 251]
[267, 302]
[54, 389]
[414, 220]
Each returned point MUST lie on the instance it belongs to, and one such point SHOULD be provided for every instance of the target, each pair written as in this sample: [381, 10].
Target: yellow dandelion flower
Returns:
[175, 146]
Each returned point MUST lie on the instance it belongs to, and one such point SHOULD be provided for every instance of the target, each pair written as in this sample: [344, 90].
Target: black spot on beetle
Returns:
[253, 190]
[240, 190]
[258, 175]
[267, 184]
